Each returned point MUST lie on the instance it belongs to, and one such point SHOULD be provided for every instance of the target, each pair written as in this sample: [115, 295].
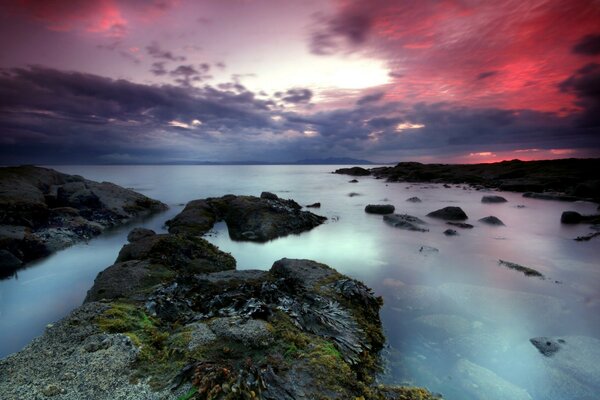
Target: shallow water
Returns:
[456, 321]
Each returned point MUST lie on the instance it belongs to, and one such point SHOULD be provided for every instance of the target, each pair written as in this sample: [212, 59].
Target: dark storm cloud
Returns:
[486, 74]
[48, 115]
[332, 33]
[156, 51]
[296, 96]
[585, 84]
[370, 98]
[589, 45]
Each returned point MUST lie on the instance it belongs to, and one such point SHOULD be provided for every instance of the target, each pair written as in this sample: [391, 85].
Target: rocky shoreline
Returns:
[174, 319]
[566, 179]
[43, 210]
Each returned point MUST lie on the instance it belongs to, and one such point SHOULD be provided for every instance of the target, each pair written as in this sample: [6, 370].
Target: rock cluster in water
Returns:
[249, 218]
[42, 210]
[172, 319]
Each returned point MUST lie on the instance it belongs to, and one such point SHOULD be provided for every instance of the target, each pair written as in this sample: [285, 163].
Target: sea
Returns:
[456, 320]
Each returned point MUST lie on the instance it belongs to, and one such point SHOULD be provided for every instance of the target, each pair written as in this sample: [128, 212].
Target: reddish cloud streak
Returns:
[441, 47]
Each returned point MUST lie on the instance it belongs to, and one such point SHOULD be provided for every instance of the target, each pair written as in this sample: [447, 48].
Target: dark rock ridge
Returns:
[248, 218]
[451, 213]
[354, 171]
[173, 319]
[379, 209]
[43, 210]
[405, 221]
[526, 270]
[314, 205]
[493, 199]
[492, 220]
[462, 225]
[570, 179]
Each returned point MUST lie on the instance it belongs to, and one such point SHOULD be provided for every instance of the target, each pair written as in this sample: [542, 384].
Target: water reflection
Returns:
[454, 317]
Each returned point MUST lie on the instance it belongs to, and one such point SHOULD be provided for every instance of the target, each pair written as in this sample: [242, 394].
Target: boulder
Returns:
[139, 233]
[414, 199]
[450, 232]
[491, 220]
[379, 209]
[314, 205]
[405, 221]
[493, 199]
[571, 217]
[450, 213]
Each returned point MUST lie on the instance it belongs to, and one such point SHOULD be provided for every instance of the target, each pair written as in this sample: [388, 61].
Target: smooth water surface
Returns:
[456, 321]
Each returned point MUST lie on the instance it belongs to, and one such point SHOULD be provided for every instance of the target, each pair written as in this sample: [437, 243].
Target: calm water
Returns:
[456, 321]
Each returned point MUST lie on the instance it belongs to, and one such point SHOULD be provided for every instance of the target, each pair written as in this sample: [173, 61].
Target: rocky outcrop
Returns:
[493, 199]
[451, 213]
[43, 210]
[379, 209]
[573, 217]
[248, 218]
[405, 221]
[173, 319]
[354, 171]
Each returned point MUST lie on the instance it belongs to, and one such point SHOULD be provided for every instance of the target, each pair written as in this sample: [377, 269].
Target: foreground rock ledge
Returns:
[248, 218]
[42, 210]
[172, 319]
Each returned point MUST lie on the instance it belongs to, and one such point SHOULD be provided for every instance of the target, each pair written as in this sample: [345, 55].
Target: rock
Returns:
[8, 262]
[353, 194]
[587, 237]
[450, 232]
[354, 171]
[250, 332]
[483, 384]
[51, 390]
[491, 220]
[269, 196]
[547, 346]
[550, 196]
[379, 209]
[462, 225]
[526, 270]
[44, 210]
[201, 335]
[414, 200]
[493, 199]
[451, 213]
[353, 181]
[405, 221]
[445, 325]
[571, 217]
[314, 205]
[248, 218]
[139, 233]
[428, 250]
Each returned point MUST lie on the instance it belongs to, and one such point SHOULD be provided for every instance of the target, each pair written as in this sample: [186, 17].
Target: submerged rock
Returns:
[353, 181]
[526, 270]
[405, 221]
[547, 346]
[491, 220]
[379, 209]
[484, 384]
[451, 213]
[314, 205]
[248, 218]
[588, 237]
[450, 232]
[493, 199]
[414, 199]
[43, 210]
[462, 225]
[573, 217]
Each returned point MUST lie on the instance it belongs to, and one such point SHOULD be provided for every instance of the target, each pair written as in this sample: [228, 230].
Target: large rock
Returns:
[450, 213]
[248, 218]
[493, 199]
[492, 220]
[405, 221]
[42, 210]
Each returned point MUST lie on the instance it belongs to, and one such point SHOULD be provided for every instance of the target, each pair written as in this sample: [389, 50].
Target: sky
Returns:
[176, 81]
